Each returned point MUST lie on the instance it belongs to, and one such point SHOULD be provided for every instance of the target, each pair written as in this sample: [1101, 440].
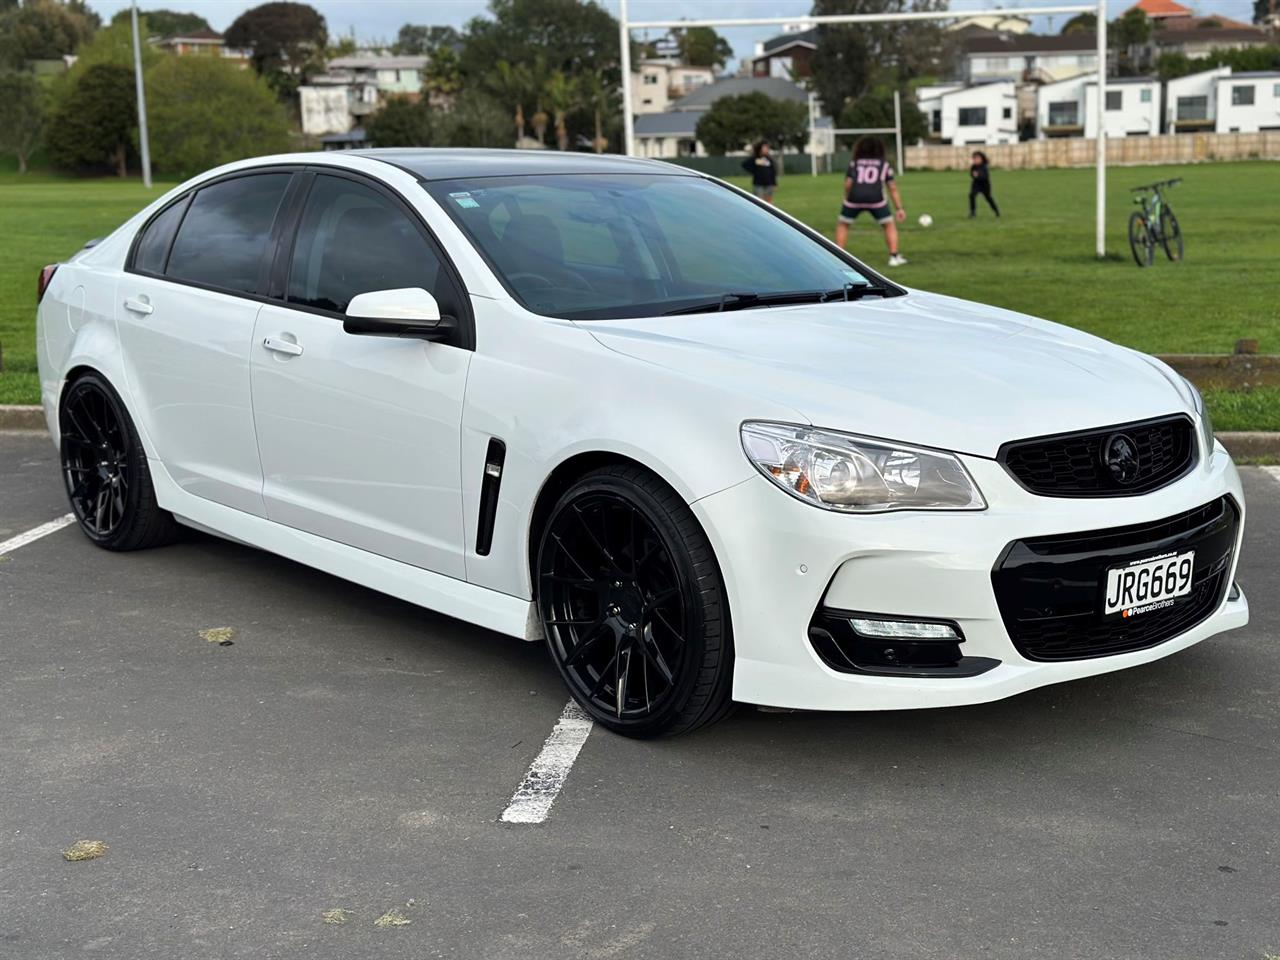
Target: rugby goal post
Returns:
[1098, 8]
[896, 130]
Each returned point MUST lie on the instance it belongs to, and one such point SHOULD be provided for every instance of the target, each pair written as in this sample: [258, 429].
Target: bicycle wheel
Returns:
[1140, 240]
[1170, 235]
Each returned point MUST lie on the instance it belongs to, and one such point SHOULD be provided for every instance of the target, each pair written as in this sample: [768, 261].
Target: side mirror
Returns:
[404, 312]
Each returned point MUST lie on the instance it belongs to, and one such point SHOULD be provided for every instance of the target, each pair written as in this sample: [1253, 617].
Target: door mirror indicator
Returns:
[403, 312]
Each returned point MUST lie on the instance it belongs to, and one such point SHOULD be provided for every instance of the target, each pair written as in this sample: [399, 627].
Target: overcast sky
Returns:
[373, 20]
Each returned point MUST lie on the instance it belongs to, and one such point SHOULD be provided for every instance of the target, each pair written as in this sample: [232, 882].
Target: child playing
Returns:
[864, 185]
[980, 183]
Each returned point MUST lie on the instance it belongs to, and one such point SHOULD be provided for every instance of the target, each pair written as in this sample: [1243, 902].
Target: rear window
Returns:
[224, 236]
[153, 245]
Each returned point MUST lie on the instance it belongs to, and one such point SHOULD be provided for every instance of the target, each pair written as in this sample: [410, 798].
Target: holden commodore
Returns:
[630, 412]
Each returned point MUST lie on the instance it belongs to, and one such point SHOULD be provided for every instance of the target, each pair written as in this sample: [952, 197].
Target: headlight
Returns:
[838, 471]
[1202, 411]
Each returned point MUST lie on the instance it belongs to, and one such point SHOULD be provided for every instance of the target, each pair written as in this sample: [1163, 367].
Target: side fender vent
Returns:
[489, 484]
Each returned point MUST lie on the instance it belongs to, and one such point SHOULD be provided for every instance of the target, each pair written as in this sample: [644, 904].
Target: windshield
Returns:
[595, 247]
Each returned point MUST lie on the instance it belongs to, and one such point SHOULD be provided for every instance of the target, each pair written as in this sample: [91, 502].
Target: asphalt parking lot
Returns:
[351, 752]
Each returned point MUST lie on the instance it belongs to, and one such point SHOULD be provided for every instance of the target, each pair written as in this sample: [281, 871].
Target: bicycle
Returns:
[1154, 223]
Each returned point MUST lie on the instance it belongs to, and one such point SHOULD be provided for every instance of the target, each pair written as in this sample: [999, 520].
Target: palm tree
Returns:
[561, 94]
[514, 84]
[599, 96]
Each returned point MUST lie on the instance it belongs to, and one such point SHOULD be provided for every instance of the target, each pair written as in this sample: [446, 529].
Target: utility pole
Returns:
[142, 101]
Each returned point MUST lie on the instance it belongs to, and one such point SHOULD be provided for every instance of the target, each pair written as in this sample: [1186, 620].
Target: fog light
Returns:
[903, 629]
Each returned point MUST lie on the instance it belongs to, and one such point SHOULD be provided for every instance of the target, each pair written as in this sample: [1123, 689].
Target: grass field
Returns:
[1038, 258]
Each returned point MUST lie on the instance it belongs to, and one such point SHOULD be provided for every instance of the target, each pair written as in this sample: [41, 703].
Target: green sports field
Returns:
[1038, 258]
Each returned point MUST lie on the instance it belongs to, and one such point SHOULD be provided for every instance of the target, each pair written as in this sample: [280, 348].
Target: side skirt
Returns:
[455, 598]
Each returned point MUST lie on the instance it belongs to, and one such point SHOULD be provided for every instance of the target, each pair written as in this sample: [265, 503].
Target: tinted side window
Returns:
[225, 233]
[352, 240]
[153, 245]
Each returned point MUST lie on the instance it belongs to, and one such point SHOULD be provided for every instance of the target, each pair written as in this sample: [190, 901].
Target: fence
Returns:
[1121, 151]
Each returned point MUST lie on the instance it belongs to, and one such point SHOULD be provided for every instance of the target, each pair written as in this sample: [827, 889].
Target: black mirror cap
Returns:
[436, 331]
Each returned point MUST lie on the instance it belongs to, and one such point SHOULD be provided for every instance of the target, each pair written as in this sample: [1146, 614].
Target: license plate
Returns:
[1151, 584]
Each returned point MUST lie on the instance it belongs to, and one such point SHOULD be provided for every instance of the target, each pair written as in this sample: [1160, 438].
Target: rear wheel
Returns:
[1140, 240]
[1170, 235]
[633, 607]
[105, 470]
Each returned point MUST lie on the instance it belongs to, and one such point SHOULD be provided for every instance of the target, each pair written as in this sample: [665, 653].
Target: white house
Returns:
[391, 75]
[1030, 57]
[981, 114]
[655, 83]
[1069, 108]
[1248, 102]
[351, 88]
[1191, 102]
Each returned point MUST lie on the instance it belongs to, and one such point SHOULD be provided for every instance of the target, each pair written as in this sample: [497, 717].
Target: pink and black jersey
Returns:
[869, 177]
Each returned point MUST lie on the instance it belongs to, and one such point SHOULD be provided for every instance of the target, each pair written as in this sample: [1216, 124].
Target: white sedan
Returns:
[630, 412]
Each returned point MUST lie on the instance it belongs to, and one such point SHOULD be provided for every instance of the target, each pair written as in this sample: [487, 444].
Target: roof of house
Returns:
[1213, 21]
[667, 124]
[707, 94]
[808, 38]
[1251, 74]
[1076, 42]
[354, 135]
[1157, 9]
[195, 36]
[437, 163]
[379, 63]
[1211, 35]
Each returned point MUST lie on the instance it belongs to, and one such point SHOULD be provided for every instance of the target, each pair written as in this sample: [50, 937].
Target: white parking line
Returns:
[538, 790]
[22, 539]
[1275, 473]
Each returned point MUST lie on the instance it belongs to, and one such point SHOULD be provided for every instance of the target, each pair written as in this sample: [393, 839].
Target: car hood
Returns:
[921, 368]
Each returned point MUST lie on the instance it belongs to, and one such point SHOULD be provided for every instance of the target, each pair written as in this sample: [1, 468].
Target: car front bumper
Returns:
[782, 560]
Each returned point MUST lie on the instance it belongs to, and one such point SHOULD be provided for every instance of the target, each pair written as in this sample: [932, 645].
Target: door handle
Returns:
[138, 305]
[280, 345]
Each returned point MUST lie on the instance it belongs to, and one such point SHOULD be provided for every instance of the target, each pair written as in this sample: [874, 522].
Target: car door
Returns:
[359, 435]
[185, 315]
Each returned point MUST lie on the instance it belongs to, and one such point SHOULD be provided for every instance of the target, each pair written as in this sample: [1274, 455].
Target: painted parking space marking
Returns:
[541, 785]
[1274, 473]
[35, 533]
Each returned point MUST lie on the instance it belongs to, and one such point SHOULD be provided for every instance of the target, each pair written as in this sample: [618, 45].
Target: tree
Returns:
[572, 36]
[1131, 38]
[21, 114]
[442, 75]
[114, 44]
[166, 23]
[734, 122]
[601, 99]
[875, 109]
[702, 47]
[418, 40]
[562, 96]
[851, 59]
[285, 38]
[476, 120]
[1080, 23]
[1263, 9]
[92, 124]
[402, 123]
[42, 30]
[205, 111]
[514, 85]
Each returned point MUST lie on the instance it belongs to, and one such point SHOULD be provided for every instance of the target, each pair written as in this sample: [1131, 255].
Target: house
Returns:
[1248, 102]
[982, 113]
[672, 133]
[656, 82]
[200, 43]
[1069, 108]
[1191, 102]
[351, 88]
[1027, 57]
[1179, 30]
[788, 55]
[1161, 11]
[1003, 22]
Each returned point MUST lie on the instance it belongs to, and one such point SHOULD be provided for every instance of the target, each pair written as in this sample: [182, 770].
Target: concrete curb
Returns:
[1243, 445]
[13, 417]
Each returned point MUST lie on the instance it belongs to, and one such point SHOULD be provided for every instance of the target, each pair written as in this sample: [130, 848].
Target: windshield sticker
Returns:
[463, 200]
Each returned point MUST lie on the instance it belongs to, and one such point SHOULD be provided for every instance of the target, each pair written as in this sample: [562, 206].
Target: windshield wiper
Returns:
[854, 291]
[740, 301]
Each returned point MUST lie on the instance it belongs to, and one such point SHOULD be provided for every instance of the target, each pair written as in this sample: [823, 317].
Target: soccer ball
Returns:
[926, 220]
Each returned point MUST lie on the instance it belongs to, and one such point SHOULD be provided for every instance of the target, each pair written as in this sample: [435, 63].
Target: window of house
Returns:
[1064, 113]
[1242, 95]
[973, 116]
[935, 120]
[1192, 108]
[651, 79]
[352, 240]
[1144, 96]
[1008, 113]
[1275, 91]
[223, 238]
[1115, 99]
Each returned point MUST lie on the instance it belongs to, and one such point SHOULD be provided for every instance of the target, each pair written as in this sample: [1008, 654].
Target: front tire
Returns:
[1140, 240]
[633, 607]
[1171, 235]
[104, 468]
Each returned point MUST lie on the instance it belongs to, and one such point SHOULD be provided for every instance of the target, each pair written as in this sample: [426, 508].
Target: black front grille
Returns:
[1050, 589]
[1074, 464]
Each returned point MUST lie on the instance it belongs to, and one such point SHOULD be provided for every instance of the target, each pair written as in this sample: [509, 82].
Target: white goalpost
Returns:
[1099, 8]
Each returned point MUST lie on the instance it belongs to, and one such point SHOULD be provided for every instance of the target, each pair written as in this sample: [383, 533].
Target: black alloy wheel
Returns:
[632, 605]
[105, 470]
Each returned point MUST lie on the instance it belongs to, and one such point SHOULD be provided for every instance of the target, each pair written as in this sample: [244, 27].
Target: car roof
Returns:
[454, 164]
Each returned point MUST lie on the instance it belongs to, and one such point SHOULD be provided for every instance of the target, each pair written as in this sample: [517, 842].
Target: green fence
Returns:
[732, 166]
